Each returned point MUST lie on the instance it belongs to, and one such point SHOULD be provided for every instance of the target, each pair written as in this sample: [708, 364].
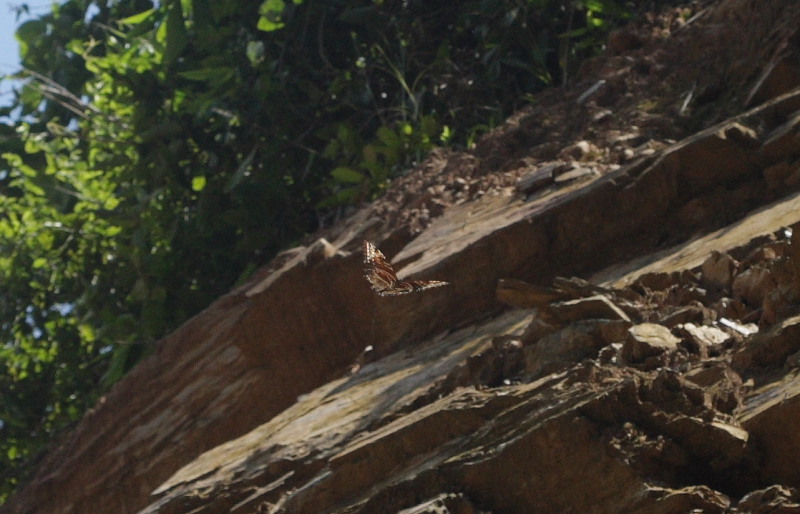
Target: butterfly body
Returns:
[383, 279]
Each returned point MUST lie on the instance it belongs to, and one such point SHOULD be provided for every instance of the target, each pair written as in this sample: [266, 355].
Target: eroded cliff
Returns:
[662, 380]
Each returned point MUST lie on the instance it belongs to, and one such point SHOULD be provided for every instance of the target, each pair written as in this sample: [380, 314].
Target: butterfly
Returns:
[384, 280]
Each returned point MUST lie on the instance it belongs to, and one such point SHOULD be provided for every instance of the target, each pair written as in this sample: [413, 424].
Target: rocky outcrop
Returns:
[630, 409]
[665, 382]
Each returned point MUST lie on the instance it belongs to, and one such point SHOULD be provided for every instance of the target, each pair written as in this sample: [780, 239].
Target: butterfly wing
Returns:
[377, 269]
[422, 285]
[383, 279]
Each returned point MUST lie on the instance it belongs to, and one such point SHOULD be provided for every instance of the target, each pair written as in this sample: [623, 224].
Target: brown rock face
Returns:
[646, 341]
[666, 382]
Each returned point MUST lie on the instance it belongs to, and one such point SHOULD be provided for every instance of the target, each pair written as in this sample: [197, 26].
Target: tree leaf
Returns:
[198, 183]
[271, 12]
[241, 171]
[137, 18]
[176, 38]
[213, 75]
[348, 175]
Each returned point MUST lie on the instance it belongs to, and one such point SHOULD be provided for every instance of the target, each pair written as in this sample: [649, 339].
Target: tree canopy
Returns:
[159, 151]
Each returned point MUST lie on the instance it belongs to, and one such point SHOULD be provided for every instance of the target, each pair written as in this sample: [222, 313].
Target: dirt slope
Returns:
[667, 176]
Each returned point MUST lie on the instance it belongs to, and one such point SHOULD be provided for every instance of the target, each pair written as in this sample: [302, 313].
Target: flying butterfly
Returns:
[384, 280]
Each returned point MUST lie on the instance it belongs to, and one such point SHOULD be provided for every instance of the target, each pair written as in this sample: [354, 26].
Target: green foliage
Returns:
[162, 149]
[365, 168]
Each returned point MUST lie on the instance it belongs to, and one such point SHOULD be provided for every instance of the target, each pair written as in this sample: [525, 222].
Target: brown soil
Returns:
[665, 76]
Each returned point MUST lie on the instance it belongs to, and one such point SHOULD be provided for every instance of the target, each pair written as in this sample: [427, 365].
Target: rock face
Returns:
[666, 382]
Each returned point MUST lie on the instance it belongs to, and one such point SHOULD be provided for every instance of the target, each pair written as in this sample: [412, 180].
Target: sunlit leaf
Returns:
[137, 18]
[198, 183]
[271, 12]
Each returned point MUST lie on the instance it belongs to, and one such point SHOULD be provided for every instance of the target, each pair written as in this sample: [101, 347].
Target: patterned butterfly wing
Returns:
[383, 278]
[377, 269]
[422, 285]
